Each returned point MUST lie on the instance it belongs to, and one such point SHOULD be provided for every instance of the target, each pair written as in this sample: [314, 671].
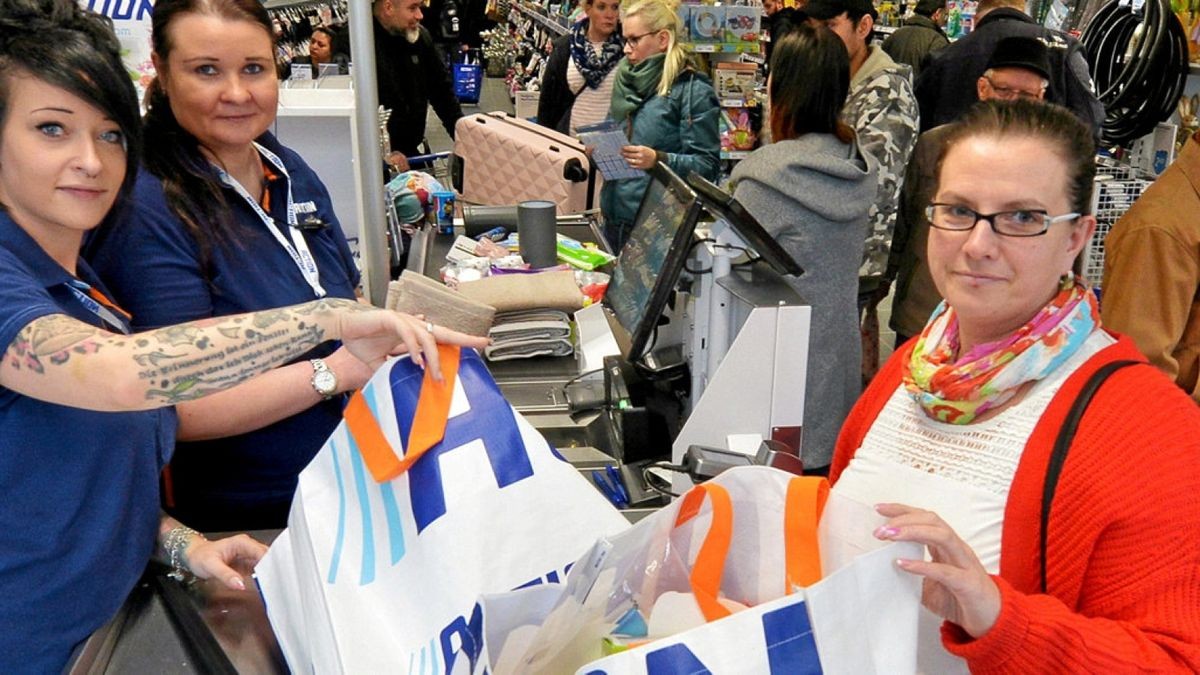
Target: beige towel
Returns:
[511, 292]
[413, 293]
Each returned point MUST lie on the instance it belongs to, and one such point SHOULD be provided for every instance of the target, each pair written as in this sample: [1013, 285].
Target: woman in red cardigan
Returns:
[952, 441]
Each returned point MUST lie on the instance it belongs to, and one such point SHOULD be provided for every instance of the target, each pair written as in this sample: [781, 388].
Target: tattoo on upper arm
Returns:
[51, 339]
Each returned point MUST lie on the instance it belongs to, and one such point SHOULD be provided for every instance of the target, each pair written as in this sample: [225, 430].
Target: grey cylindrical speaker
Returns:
[536, 227]
[478, 219]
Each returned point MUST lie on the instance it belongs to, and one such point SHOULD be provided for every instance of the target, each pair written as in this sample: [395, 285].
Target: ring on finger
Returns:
[429, 326]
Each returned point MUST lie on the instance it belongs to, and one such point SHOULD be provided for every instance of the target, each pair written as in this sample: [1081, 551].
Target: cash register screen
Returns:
[653, 257]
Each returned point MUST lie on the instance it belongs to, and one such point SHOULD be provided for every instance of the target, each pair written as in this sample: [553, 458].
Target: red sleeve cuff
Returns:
[999, 644]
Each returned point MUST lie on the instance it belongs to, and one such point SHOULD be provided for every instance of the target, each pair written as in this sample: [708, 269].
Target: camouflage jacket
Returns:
[882, 110]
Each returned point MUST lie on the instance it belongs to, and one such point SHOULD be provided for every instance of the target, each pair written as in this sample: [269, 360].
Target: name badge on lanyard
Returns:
[297, 248]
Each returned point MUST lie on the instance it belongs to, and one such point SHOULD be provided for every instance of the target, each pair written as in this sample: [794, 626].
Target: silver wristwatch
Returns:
[324, 381]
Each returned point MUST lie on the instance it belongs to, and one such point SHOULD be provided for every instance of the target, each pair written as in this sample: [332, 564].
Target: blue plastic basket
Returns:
[468, 78]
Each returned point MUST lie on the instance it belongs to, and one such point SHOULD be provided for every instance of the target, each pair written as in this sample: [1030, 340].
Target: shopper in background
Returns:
[411, 76]
[577, 85]
[1019, 68]
[85, 417]
[883, 112]
[668, 108]
[952, 440]
[225, 220]
[811, 189]
[946, 87]
[320, 51]
[1152, 271]
[920, 36]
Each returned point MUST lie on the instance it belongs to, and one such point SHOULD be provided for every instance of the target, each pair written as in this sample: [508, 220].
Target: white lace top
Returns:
[961, 472]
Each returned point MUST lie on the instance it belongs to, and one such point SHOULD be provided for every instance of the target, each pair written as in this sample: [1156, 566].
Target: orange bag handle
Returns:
[806, 497]
[429, 421]
[805, 500]
[709, 567]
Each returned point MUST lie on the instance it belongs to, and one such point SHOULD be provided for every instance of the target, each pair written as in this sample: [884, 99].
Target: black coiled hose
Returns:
[1139, 62]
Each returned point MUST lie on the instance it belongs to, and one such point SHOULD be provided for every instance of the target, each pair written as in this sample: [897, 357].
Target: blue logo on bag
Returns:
[488, 415]
[787, 634]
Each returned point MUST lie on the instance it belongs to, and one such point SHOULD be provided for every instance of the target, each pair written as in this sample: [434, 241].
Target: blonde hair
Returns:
[662, 15]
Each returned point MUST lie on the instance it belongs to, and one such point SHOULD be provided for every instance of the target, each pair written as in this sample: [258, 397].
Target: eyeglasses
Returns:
[1010, 93]
[632, 40]
[1017, 223]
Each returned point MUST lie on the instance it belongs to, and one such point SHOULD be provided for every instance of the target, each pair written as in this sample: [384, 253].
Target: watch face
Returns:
[325, 382]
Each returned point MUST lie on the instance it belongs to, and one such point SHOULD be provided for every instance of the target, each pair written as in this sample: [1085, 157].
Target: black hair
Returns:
[191, 185]
[810, 79]
[1052, 125]
[66, 46]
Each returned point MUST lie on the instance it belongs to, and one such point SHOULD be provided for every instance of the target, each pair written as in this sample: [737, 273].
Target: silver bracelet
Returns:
[175, 545]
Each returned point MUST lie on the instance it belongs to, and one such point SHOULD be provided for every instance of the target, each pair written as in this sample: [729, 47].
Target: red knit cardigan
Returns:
[1123, 553]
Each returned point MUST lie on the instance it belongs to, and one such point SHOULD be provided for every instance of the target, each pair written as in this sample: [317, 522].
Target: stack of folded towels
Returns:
[527, 333]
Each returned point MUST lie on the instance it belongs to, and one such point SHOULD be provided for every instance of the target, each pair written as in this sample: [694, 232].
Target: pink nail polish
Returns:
[884, 532]
[238, 583]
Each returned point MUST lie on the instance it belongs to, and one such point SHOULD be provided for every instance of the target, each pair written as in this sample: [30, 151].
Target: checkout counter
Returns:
[735, 324]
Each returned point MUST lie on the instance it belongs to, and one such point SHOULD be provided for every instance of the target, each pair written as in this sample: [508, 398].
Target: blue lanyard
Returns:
[297, 248]
[106, 314]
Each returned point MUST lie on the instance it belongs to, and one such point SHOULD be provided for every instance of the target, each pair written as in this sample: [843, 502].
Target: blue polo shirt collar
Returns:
[45, 270]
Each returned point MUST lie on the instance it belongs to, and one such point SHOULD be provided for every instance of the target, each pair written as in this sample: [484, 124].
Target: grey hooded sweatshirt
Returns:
[812, 194]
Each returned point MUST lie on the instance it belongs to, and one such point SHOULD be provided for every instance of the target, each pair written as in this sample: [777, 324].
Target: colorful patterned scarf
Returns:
[957, 389]
[595, 66]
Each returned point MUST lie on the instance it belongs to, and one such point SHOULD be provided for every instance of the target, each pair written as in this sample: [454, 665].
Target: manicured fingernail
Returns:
[884, 532]
[903, 564]
[237, 583]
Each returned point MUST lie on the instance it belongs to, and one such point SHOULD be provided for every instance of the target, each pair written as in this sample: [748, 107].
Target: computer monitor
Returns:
[725, 207]
[652, 259]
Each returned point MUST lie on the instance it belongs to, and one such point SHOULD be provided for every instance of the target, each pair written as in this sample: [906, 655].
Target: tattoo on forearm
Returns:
[181, 363]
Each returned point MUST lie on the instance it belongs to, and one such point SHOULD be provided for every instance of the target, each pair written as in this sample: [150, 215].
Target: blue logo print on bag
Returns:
[488, 414]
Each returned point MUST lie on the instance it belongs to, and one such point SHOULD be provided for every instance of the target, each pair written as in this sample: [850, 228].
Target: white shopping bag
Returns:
[383, 576]
[860, 619]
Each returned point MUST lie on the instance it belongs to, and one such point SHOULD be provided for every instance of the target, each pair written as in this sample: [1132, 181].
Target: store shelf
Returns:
[541, 19]
[726, 47]
[886, 30]
[738, 102]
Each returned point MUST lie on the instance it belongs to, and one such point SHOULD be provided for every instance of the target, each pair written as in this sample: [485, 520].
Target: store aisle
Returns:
[493, 97]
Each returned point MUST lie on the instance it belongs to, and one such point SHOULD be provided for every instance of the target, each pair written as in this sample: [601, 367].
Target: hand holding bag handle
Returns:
[805, 500]
[428, 426]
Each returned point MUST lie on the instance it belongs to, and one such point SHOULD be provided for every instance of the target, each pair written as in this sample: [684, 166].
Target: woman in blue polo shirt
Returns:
[85, 417]
[226, 220]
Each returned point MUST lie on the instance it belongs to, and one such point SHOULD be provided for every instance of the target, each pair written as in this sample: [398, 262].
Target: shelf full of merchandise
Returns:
[729, 37]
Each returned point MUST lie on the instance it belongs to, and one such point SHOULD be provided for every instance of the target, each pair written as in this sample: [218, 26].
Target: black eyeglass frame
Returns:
[1047, 219]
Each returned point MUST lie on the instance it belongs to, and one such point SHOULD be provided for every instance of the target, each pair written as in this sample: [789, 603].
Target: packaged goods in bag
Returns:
[727, 579]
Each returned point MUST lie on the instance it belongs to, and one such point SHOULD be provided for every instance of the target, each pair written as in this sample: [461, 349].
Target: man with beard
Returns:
[410, 76]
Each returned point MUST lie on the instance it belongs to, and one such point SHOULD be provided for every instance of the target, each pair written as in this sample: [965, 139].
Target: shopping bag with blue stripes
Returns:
[426, 496]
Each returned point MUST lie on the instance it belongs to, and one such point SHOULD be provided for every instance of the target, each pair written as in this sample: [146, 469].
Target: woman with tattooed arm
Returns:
[86, 422]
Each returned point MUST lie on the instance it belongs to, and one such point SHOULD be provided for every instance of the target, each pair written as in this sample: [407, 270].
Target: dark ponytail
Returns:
[191, 185]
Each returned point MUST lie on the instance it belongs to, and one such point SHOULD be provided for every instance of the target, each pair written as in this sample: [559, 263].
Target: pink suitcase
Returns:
[500, 159]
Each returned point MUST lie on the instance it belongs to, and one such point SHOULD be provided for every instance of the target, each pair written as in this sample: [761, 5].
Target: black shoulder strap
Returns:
[1066, 434]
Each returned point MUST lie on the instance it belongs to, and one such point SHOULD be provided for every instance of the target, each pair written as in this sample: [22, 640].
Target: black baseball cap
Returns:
[1021, 52]
[827, 9]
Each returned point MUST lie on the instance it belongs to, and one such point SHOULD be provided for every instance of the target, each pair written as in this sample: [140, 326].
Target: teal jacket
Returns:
[683, 124]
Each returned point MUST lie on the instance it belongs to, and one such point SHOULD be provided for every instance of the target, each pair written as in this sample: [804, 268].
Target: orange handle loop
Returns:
[806, 497]
[710, 562]
[428, 428]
